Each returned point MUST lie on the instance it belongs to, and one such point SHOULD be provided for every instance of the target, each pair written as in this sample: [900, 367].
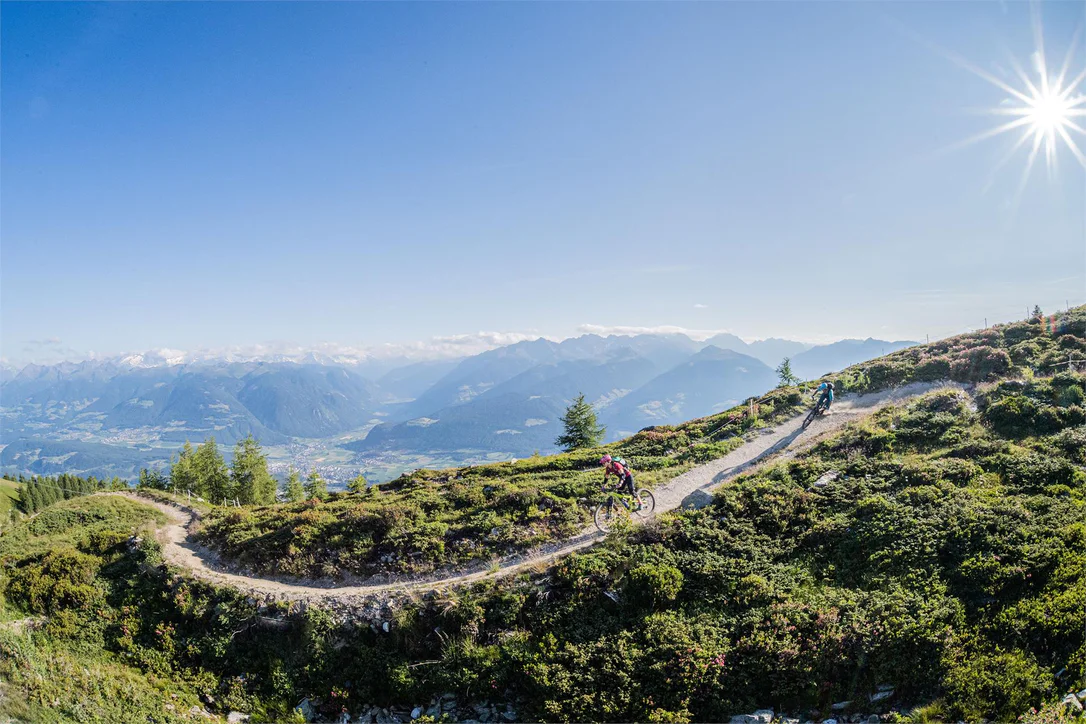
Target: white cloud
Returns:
[701, 306]
[605, 330]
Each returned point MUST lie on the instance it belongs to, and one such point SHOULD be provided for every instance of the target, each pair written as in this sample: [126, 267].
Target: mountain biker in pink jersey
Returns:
[619, 468]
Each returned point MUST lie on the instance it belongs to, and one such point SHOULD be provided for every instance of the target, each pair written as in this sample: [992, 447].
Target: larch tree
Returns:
[358, 484]
[784, 373]
[295, 491]
[183, 471]
[253, 484]
[213, 479]
[315, 486]
[581, 427]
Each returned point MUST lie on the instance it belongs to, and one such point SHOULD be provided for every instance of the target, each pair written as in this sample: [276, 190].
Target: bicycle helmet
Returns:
[605, 459]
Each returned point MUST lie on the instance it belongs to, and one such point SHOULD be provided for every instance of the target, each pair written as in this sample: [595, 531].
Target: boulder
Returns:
[416, 712]
[879, 696]
[306, 708]
[235, 717]
[762, 716]
[1071, 701]
[841, 705]
[698, 499]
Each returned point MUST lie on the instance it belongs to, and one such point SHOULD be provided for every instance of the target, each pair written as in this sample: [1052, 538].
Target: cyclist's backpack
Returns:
[621, 461]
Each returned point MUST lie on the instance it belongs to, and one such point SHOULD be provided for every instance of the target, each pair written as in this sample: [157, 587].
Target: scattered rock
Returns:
[762, 716]
[829, 721]
[1081, 695]
[306, 709]
[416, 712]
[698, 499]
[235, 717]
[873, 719]
[1072, 701]
[509, 715]
[841, 705]
[825, 479]
[881, 695]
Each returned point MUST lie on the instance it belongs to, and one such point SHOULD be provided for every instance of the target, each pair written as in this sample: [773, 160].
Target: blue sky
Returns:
[201, 175]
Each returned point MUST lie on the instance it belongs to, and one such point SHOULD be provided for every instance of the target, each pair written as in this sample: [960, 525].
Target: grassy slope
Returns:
[62, 672]
[9, 497]
[434, 519]
[947, 558]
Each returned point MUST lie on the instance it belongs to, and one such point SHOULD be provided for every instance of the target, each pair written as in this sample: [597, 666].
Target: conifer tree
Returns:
[26, 497]
[295, 491]
[183, 471]
[358, 484]
[153, 479]
[253, 484]
[784, 373]
[581, 427]
[212, 478]
[315, 486]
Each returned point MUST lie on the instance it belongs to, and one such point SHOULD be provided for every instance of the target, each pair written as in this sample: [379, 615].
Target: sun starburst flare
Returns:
[1042, 106]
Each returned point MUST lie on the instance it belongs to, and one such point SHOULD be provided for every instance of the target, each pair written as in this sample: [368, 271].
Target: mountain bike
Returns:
[819, 409]
[619, 508]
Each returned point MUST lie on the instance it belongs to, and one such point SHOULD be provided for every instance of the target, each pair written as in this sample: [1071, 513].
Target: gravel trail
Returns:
[691, 489]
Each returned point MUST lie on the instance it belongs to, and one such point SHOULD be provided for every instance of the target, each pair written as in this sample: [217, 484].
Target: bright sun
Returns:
[1049, 112]
[1044, 107]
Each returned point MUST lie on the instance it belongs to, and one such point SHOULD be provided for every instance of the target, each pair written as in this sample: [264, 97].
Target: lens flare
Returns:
[1042, 107]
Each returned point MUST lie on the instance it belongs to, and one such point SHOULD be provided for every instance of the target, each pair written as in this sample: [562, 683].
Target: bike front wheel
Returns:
[811, 416]
[604, 516]
[648, 503]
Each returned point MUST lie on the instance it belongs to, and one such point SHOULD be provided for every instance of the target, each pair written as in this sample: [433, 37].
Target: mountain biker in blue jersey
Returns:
[619, 468]
[826, 391]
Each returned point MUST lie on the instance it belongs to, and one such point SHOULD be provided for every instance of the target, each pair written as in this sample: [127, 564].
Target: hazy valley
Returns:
[381, 417]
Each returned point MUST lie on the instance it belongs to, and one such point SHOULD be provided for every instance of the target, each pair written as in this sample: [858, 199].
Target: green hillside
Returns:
[925, 564]
[430, 519]
[9, 499]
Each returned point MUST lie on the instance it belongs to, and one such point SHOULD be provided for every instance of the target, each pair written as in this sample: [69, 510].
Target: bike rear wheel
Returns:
[648, 503]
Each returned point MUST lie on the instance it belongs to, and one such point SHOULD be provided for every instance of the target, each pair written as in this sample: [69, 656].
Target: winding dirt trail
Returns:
[691, 489]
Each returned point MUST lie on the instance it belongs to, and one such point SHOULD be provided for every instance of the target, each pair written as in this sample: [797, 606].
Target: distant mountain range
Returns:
[114, 416]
